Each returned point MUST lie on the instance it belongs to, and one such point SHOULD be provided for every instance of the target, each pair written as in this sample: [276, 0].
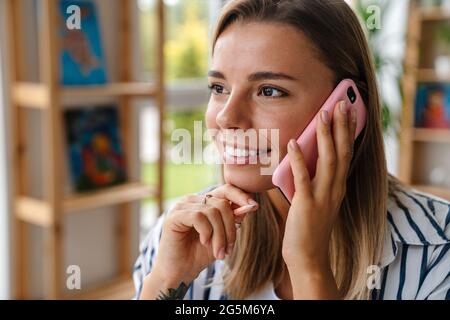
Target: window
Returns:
[187, 50]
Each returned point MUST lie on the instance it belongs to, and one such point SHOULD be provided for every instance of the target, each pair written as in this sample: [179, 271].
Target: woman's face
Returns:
[263, 76]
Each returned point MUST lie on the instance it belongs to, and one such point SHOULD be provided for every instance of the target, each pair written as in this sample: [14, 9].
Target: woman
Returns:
[351, 232]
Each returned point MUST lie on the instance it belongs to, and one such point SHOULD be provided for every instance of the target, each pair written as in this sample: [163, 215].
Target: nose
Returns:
[234, 114]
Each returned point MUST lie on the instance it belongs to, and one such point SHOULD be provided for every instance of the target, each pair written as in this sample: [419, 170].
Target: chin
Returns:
[247, 178]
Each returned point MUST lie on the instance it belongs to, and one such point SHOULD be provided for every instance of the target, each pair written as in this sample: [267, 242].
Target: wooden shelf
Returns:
[114, 195]
[119, 289]
[36, 95]
[30, 95]
[135, 89]
[438, 191]
[33, 211]
[38, 212]
[431, 135]
[429, 75]
[435, 14]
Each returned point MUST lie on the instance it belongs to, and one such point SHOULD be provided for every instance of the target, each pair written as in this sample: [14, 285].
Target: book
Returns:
[81, 59]
[95, 153]
[432, 108]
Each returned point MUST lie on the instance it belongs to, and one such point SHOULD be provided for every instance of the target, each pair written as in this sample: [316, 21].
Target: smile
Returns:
[243, 156]
[238, 152]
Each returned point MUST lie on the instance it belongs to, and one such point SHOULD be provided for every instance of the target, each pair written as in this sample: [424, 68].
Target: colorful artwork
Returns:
[95, 153]
[433, 106]
[82, 61]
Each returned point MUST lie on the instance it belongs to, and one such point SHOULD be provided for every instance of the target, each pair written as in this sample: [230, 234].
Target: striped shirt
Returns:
[415, 263]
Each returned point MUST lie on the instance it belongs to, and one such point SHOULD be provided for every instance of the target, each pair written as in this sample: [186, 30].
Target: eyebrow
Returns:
[257, 76]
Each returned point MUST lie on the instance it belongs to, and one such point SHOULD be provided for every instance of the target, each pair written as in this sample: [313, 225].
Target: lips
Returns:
[241, 156]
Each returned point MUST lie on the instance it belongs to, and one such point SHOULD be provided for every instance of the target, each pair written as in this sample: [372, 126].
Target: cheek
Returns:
[289, 126]
[289, 131]
[210, 117]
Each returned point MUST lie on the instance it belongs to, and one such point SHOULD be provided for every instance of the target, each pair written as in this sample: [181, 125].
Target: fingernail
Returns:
[252, 202]
[244, 209]
[325, 117]
[293, 144]
[343, 107]
[230, 248]
[221, 253]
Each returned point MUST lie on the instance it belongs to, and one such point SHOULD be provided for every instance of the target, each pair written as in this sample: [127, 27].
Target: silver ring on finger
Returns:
[237, 225]
[205, 198]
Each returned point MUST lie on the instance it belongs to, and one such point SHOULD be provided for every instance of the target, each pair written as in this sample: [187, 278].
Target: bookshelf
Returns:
[37, 96]
[415, 142]
[47, 98]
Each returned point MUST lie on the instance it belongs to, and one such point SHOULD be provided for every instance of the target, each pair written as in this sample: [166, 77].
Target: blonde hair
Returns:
[358, 235]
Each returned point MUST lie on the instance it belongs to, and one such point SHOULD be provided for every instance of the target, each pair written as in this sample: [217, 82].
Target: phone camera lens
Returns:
[351, 94]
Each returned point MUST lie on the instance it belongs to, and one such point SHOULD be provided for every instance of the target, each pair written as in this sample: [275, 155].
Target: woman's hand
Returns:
[316, 204]
[196, 233]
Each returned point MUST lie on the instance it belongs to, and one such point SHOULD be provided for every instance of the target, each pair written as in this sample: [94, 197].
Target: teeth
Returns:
[235, 152]
[238, 152]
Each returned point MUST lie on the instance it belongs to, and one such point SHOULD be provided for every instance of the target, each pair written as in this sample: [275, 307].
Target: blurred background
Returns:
[91, 92]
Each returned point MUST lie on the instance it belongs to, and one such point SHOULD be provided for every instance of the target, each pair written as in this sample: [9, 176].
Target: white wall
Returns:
[5, 284]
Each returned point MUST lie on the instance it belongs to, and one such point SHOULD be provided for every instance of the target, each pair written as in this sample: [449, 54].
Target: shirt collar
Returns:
[415, 218]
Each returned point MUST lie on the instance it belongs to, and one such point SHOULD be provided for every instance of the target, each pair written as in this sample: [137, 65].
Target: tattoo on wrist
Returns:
[174, 294]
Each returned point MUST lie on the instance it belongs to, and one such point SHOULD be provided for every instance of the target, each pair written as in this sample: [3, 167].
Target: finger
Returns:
[227, 219]
[326, 164]
[302, 182]
[343, 143]
[353, 128]
[242, 212]
[219, 241]
[218, 235]
[193, 198]
[233, 194]
[245, 209]
[198, 199]
[188, 219]
[353, 125]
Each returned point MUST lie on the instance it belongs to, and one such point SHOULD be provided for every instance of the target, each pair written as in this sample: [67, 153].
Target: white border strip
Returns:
[5, 254]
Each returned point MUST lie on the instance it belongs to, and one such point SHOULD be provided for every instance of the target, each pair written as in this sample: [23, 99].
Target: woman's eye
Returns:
[271, 92]
[216, 89]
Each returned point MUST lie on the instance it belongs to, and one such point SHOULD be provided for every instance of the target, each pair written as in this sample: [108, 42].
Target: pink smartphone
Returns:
[347, 91]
